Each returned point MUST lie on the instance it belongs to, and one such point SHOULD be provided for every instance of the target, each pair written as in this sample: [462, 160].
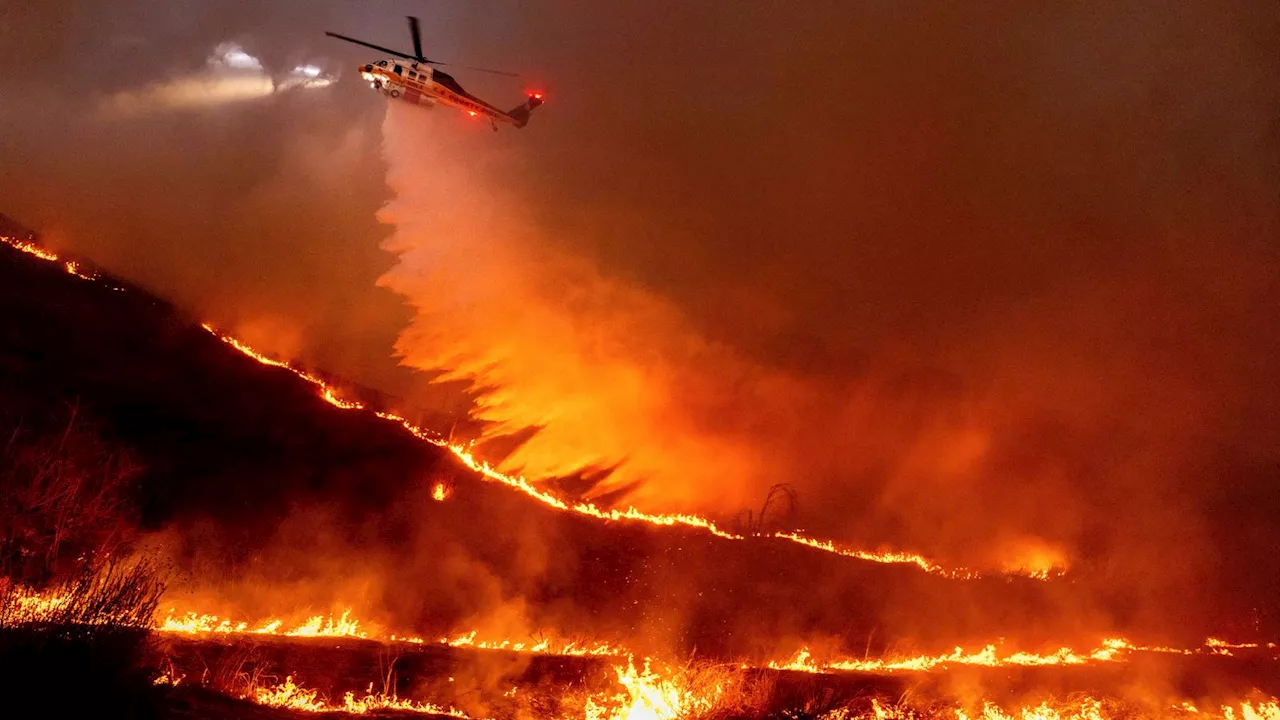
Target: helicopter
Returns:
[412, 78]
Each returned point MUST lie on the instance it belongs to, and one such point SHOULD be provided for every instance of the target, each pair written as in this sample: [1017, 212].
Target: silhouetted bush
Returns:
[75, 611]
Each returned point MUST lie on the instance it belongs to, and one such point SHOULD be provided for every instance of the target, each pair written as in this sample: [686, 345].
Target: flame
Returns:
[1108, 650]
[544, 646]
[315, 626]
[24, 606]
[1085, 709]
[883, 556]
[1092, 709]
[439, 493]
[346, 626]
[70, 266]
[648, 696]
[319, 626]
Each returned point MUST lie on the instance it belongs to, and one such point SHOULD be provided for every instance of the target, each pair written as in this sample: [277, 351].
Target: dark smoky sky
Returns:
[1040, 234]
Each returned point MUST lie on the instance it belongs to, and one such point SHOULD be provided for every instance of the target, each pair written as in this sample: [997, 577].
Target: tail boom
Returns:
[520, 115]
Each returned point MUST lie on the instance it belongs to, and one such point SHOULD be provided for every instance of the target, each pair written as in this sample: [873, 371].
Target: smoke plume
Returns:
[992, 282]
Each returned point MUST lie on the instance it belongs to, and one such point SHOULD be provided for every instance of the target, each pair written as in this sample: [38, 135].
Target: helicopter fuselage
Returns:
[413, 80]
[419, 84]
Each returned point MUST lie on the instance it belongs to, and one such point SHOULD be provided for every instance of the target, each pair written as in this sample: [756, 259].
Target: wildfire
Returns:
[1091, 709]
[885, 556]
[22, 606]
[645, 694]
[70, 266]
[642, 694]
[464, 455]
[1218, 646]
[648, 696]
[463, 452]
[315, 626]
[295, 697]
[1109, 650]
[544, 646]
[345, 626]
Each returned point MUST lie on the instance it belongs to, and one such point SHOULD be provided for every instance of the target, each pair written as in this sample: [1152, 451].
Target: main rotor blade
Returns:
[480, 69]
[417, 45]
[417, 37]
[377, 47]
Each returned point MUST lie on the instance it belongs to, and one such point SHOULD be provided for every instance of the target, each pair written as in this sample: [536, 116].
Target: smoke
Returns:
[213, 154]
[989, 283]
[611, 375]
[230, 75]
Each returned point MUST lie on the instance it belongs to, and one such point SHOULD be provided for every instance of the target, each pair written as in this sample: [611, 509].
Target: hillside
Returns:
[247, 471]
[267, 501]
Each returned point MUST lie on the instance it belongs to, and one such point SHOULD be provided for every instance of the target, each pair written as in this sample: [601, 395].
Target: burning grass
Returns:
[289, 694]
[645, 690]
[316, 675]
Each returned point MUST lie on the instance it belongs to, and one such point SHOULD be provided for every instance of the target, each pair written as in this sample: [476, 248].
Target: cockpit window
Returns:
[382, 63]
[447, 81]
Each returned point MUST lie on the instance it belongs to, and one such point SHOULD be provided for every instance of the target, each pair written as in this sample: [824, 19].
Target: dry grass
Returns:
[74, 614]
[66, 492]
